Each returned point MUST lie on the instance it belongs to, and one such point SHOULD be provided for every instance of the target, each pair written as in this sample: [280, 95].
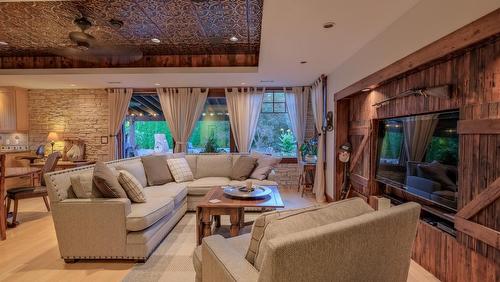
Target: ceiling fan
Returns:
[88, 48]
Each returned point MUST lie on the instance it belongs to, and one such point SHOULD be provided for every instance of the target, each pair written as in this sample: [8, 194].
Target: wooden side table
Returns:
[305, 183]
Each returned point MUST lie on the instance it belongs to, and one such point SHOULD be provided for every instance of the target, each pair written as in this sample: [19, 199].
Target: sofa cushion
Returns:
[279, 223]
[214, 166]
[83, 186]
[265, 165]
[191, 159]
[180, 170]
[134, 189]
[177, 191]
[136, 168]
[201, 186]
[143, 215]
[156, 169]
[106, 181]
[243, 167]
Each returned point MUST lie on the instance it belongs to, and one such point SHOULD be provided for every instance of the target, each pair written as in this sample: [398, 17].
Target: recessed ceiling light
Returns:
[366, 89]
[303, 62]
[72, 85]
[155, 40]
[243, 83]
[3, 43]
[329, 25]
[157, 84]
[233, 38]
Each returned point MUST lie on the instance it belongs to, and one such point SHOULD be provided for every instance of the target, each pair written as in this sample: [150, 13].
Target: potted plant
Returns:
[309, 150]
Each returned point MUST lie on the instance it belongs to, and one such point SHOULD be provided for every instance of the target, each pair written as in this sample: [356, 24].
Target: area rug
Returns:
[173, 259]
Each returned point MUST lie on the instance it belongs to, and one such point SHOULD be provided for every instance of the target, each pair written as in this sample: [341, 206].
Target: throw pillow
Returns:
[83, 186]
[265, 165]
[157, 171]
[134, 189]
[106, 181]
[243, 167]
[274, 224]
[136, 169]
[180, 170]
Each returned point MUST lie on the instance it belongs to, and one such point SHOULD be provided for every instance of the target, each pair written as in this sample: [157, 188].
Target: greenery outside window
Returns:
[212, 131]
[274, 134]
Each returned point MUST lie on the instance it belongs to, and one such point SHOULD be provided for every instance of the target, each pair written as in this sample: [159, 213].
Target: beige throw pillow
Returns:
[134, 189]
[265, 165]
[84, 187]
[180, 170]
[243, 167]
[281, 223]
[157, 171]
[106, 181]
[136, 169]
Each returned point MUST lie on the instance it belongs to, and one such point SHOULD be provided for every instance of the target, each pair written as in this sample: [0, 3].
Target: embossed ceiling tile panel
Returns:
[223, 19]
[185, 27]
[176, 19]
[255, 19]
[137, 25]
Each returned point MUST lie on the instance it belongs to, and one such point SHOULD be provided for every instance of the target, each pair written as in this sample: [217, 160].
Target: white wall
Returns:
[425, 23]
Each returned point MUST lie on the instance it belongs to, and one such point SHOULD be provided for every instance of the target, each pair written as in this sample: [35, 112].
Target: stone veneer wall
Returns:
[79, 113]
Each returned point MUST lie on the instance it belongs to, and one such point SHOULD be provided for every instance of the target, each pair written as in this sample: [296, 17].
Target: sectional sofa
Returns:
[99, 228]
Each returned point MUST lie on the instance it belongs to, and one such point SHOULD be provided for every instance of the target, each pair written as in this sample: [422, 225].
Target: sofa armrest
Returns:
[91, 228]
[221, 263]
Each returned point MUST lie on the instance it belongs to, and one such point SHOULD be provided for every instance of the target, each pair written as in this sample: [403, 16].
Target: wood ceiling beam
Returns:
[221, 60]
[470, 34]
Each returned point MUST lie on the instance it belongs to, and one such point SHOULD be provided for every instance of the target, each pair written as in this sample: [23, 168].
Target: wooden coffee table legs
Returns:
[206, 216]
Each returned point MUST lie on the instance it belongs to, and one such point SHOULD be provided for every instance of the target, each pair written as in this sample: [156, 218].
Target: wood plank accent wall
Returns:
[474, 75]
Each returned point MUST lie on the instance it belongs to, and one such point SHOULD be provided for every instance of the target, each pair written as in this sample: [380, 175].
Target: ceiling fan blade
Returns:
[124, 54]
[75, 54]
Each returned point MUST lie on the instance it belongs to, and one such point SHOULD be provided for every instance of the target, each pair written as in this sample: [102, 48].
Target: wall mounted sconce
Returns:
[329, 122]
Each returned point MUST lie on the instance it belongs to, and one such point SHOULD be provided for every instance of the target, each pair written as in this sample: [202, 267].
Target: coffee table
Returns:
[207, 212]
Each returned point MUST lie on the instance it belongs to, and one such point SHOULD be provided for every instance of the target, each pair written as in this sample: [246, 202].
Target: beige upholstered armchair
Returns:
[371, 246]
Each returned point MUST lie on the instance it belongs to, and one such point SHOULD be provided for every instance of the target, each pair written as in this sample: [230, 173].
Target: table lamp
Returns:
[52, 138]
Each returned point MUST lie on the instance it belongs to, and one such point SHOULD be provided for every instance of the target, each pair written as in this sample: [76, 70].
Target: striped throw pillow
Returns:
[134, 189]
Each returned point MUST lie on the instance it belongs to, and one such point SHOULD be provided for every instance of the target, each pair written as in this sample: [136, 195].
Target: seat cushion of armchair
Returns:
[238, 243]
[203, 185]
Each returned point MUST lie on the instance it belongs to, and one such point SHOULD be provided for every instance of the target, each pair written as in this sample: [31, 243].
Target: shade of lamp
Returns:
[52, 138]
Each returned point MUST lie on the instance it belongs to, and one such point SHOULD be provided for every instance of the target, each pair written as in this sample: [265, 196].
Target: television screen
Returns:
[420, 154]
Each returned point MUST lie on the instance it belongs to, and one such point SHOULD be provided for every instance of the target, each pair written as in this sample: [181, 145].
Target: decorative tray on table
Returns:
[242, 192]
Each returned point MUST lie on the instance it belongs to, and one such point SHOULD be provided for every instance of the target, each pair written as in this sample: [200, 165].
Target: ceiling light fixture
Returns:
[157, 84]
[366, 89]
[303, 62]
[155, 40]
[329, 25]
[72, 85]
[243, 83]
[233, 38]
[3, 43]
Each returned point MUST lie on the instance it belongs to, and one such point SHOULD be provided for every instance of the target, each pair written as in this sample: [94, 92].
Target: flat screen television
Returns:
[420, 155]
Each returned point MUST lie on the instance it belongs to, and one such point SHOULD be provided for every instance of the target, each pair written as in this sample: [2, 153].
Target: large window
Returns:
[145, 130]
[212, 132]
[274, 134]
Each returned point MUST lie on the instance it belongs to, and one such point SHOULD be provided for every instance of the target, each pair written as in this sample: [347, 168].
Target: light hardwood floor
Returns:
[30, 253]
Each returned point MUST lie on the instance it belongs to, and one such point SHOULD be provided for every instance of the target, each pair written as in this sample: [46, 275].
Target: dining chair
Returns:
[20, 193]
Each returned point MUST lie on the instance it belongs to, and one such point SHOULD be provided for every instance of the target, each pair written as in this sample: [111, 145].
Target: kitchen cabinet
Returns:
[14, 115]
